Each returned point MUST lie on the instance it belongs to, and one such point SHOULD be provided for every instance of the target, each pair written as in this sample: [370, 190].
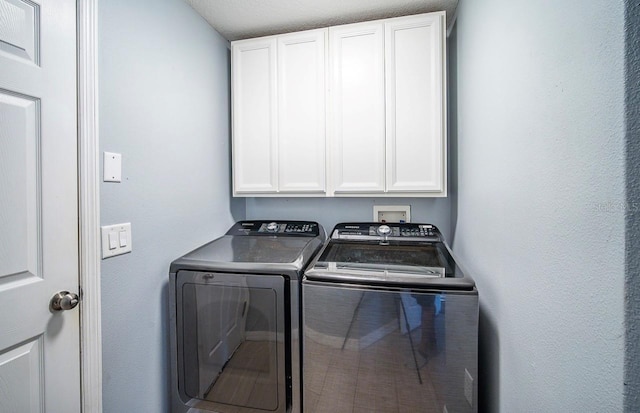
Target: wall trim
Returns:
[89, 206]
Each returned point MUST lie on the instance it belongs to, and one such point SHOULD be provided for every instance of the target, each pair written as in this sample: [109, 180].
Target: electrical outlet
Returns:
[468, 387]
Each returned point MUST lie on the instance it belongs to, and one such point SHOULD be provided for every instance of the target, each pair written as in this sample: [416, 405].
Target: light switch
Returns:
[113, 242]
[116, 239]
[112, 167]
[123, 238]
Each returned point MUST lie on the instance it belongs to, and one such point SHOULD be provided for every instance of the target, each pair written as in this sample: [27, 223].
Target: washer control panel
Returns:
[279, 228]
[376, 230]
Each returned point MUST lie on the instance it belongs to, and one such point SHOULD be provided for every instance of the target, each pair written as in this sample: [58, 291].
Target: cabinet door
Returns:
[301, 111]
[357, 107]
[254, 116]
[414, 49]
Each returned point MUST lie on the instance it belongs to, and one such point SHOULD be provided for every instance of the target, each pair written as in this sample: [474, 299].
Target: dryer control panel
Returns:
[275, 228]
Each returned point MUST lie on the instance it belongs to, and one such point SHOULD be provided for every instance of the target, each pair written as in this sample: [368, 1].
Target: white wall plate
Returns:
[392, 213]
[116, 239]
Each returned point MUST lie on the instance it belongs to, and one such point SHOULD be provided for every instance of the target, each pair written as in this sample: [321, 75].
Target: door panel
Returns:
[254, 116]
[301, 111]
[357, 101]
[20, 254]
[38, 206]
[25, 365]
[19, 29]
[414, 51]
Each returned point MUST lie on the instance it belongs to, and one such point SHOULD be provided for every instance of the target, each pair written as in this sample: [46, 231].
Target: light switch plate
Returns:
[112, 167]
[115, 232]
[392, 213]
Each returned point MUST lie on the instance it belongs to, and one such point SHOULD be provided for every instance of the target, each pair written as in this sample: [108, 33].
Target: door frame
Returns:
[89, 206]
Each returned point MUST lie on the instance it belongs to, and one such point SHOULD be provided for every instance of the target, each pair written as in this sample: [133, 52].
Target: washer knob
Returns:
[272, 226]
[384, 230]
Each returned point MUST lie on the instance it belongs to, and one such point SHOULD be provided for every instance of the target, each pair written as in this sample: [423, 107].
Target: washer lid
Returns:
[389, 255]
[401, 261]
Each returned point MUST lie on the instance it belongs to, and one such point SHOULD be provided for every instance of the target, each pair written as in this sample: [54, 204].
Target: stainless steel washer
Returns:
[390, 323]
[234, 319]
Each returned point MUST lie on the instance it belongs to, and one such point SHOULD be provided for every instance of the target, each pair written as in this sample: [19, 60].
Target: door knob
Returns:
[64, 300]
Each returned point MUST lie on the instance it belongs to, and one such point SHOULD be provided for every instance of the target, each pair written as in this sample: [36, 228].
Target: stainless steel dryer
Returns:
[234, 319]
[390, 323]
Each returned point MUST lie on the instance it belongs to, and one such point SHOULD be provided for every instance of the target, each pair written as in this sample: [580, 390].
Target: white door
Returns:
[39, 349]
[301, 111]
[357, 107]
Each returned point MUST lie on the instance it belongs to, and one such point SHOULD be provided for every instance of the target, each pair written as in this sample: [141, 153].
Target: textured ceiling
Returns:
[241, 19]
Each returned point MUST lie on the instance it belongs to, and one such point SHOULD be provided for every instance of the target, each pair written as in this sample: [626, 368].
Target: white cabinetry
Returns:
[415, 104]
[278, 85]
[301, 111]
[388, 99]
[357, 107]
[385, 111]
[254, 116]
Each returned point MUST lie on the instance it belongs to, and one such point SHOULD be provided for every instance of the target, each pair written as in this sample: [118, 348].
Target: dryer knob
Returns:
[272, 226]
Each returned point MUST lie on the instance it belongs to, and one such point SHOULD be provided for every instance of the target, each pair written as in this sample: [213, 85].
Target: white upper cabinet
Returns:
[353, 110]
[357, 107]
[255, 155]
[415, 104]
[278, 85]
[301, 111]
[387, 124]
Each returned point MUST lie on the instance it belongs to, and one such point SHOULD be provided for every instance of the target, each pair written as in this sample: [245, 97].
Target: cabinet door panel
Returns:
[254, 116]
[301, 111]
[414, 49]
[357, 107]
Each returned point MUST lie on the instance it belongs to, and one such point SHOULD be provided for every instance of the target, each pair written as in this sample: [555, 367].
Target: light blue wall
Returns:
[330, 211]
[541, 198]
[164, 104]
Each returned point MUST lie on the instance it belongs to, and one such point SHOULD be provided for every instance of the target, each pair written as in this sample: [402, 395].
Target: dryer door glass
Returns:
[232, 342]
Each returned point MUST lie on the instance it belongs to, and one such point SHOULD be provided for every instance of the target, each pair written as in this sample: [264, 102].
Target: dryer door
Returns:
[231, 341]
